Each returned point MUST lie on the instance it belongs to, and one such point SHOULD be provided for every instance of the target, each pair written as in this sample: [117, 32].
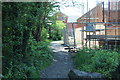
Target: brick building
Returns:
[99, 14]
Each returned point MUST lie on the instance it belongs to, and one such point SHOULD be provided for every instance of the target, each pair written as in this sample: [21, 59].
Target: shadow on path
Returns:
[61, 65]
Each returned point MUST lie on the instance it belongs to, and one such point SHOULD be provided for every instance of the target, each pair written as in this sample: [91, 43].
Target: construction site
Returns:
[99, 27]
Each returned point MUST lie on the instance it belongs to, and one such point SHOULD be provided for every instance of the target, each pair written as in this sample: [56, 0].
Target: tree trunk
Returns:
[49, 31]
[38, 34]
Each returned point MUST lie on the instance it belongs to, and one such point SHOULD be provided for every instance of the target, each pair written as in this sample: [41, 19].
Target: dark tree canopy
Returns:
[25, 33]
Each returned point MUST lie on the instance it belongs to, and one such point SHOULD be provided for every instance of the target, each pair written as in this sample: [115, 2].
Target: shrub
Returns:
[38, 56]
[102, 61]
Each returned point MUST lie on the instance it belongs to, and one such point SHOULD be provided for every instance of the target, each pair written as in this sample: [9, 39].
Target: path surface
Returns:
[61, 65]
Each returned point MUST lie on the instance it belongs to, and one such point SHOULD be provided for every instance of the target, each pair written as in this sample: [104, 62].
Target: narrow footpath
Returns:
[62, 62]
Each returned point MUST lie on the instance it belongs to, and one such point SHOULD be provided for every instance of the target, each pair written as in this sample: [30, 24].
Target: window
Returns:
[63, 18]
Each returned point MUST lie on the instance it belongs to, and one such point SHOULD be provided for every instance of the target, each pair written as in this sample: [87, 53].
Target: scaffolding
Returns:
[103, 36]
[100, 26]
[108, 36]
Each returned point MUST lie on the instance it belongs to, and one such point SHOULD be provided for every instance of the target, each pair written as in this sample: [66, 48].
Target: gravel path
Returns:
[61, 65]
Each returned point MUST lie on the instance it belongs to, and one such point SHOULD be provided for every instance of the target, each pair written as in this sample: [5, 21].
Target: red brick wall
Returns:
[94, 13]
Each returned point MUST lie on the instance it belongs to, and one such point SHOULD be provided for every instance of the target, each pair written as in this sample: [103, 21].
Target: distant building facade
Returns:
[101, 14]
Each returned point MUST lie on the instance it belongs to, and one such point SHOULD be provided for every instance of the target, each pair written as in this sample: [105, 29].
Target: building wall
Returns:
[62, 17]
[111, 15]
[94, 15]
[114, 16]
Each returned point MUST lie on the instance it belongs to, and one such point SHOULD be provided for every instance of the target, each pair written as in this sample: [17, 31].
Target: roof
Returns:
[72, 19]
[60, 13]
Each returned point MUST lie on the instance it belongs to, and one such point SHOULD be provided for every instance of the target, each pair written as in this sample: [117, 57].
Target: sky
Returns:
[74, 12]
[78, 10]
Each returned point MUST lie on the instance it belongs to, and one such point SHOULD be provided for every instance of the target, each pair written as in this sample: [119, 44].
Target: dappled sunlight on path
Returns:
[62, 62]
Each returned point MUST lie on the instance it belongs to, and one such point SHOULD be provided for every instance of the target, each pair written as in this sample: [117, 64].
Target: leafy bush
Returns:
[102, 61]
[25, 28]
[38, 56]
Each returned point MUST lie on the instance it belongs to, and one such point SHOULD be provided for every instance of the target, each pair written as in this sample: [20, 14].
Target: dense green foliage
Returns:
[56, 29]
[25, 32]
[102, 61]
